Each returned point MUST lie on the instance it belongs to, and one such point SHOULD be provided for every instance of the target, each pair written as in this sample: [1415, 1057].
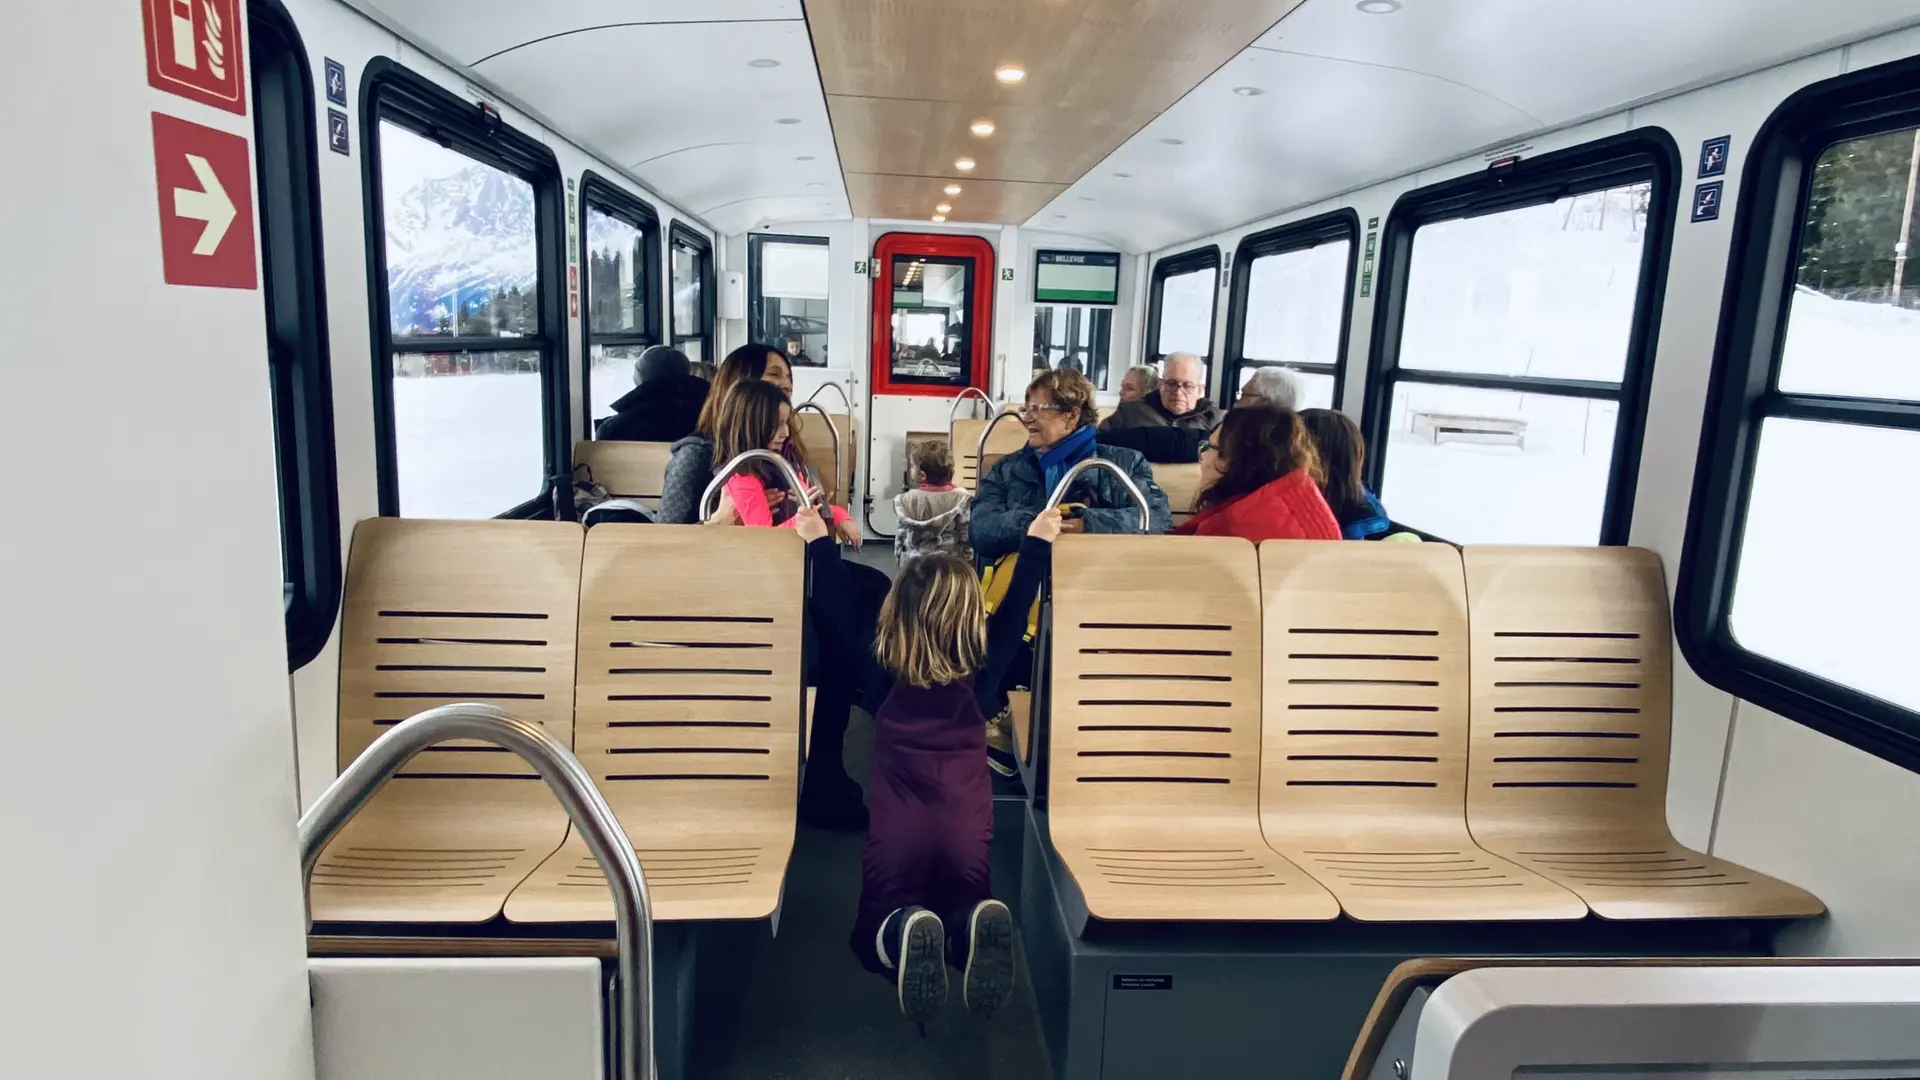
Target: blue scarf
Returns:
[1374, 524]
[1065, 454]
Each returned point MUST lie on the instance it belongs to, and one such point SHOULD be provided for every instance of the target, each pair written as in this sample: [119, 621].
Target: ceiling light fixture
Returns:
[1248, 91]
[1124, 175]
[804, 157]
[943, 208]
[939, 217]
[763, 62]
[1378, 7]
[1170, 141]
[981, 128]
[1086, 198]
[1013, 73]
[953, 189]
[788, 120]
[964, 164]
[815, 183]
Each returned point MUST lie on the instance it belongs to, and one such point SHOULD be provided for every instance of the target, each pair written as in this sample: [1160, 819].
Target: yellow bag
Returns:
[996, 579]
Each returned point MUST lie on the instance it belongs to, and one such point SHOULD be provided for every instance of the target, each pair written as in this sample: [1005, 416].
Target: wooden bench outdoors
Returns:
[628, 470]
[438, 612]
[1437, 428]
[1182, 485]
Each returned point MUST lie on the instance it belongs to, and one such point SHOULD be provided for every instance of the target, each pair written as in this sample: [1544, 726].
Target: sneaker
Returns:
[920, 973]
[1000, 755]
[988, 982]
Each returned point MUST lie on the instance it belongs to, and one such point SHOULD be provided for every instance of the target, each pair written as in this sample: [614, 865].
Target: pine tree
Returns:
[1859, 191]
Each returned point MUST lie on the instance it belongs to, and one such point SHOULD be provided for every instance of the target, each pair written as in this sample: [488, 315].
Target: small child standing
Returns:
[934, 664]
[933, 516]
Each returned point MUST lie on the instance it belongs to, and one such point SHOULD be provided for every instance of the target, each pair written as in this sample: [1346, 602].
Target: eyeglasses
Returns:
[1189, 387]
[1030, 409]
[1209, 448]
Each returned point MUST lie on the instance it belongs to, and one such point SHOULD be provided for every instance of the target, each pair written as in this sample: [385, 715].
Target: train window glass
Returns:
[1291, 305]
[285, 145]
[932, 331]
[465, 220]
[1080, 338]
[1180, 312]
[1516, 318]
[788, 286]
[692, 272]
[1795, 590]
[622, 303]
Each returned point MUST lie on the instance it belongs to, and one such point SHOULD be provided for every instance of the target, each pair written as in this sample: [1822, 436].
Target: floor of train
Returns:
[810, 1012]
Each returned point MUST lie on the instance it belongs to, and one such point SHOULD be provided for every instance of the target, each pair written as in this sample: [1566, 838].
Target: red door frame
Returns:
[980, 364]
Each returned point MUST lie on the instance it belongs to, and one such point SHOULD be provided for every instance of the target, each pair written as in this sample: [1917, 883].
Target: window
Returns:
[622, 241]
[932, 339]
[1070, 336]
[692, 294]
[285, 143]
[1512, 345]
[1292, 299]
[1795, 589]
[1180, 312]
[788, 302]
[464, 221]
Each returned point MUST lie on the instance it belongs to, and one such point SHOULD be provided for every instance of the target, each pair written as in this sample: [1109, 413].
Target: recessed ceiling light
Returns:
[1170, 141]
[953, 189]
[1378, 7]
[1013, 73]
[1124, 175]
[964, 164]
[1061, 216]
[939, 217]
[815, 183]
[763, 62]
[1086, 198]
[943, 208]
[804, 157]
[981, 127]
[788, 120]
[1248, 91]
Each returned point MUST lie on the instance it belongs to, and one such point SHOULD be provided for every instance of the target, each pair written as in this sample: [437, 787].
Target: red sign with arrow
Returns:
[206, 205]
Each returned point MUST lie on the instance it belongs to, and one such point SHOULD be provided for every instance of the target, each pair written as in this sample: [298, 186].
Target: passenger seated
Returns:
[1179, 401]
[933, 516]
[1342, 455]
[931, 675]
[756, 416]
[664, 404]
[691, 467]
[1138, 382]
[1059, 419]
[1259, 481]
[1276, 386]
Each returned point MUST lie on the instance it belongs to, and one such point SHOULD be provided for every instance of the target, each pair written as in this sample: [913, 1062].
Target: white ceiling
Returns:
[666, 89]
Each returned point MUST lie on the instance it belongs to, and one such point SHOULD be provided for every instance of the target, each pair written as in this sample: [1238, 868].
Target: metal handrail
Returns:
[832, 428]
[980, 452]
[1060, 489]
[591, 817]
[841, 390]
[711, 496]
[970, 392]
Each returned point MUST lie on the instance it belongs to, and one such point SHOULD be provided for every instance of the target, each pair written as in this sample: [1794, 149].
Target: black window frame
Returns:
[391, 92]
[756, 317]
[286, 148]
[597, 193]
[1282, 240]
[1644, 155]
[680, 235]
[1186, 262]
[1761, 276]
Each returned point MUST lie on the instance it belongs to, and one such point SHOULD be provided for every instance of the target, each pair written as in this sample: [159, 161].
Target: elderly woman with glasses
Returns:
[1059, 417]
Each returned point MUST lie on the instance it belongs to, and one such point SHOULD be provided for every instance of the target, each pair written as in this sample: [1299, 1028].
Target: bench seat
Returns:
[628, 470]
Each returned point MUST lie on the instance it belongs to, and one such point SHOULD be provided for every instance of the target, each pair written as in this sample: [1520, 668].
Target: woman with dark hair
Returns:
[1343, 451]
[757, 416]
[692, 464]
[1260, 480]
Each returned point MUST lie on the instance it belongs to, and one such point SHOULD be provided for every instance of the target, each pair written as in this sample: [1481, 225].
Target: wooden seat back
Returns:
[688, 719]
[1182, 485]
[628, 470]
[834, 466]
[1570, 728]
[438, 613]
[968, 464]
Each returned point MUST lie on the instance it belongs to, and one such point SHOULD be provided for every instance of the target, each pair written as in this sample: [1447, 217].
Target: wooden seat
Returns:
[628, 470]
[1571, 715]
[1154, 736]
[968, 465]
[438, 612]
[689, 720]
[1182, 485]
[835, 468]
[1364, 751]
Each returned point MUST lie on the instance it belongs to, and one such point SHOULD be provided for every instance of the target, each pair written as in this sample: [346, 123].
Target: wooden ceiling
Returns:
[905, 79]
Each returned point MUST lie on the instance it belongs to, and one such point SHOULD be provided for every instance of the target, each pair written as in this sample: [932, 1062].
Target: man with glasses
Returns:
[1168, 423]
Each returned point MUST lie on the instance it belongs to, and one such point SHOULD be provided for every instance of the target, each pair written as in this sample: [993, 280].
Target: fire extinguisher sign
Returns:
[193, 50]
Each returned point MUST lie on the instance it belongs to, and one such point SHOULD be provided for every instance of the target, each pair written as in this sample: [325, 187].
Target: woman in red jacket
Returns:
[1260, 480]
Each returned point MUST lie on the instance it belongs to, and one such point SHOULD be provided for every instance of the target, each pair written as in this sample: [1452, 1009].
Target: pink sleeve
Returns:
[750, 500]
[835, 518]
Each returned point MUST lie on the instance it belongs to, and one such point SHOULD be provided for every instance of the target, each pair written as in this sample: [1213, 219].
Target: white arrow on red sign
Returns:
[210, 204]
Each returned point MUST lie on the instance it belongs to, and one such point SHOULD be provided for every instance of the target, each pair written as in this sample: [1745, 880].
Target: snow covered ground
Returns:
[469, 446]
[1851, 348]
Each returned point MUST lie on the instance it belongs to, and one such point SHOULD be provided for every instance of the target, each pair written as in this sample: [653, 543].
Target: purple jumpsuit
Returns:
[930, 795]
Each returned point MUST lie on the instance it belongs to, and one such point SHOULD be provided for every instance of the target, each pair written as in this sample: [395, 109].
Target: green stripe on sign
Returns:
[1073, 296]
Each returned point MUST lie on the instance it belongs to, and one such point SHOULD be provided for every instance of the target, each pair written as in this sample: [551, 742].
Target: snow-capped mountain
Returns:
[454, 245]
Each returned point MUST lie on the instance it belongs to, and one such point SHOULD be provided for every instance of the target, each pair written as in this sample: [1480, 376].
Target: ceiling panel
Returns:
[471, 30]
[990, 201]
[904, 78]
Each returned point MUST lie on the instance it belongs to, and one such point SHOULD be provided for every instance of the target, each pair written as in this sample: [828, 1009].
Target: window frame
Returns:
[1743, 392]
[1646, 154]
[756, 318]
[298, 352]
[601, 194]
[1303, 235]
[680, 234]
[394, 93]
[1186, 262]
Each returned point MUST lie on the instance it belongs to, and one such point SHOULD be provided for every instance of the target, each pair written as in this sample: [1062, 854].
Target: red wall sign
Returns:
[193, 49]
[206, 205]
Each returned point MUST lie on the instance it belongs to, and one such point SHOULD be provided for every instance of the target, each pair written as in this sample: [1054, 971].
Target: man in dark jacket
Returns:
[1179, 402]
[664, 404]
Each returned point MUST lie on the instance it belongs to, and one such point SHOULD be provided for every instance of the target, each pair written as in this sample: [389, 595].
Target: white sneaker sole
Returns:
[922, 974]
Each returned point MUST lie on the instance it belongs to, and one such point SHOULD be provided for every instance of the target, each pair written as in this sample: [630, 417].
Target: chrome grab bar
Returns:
[980, 452]
[1060, 489]
[832, 428]
[970, 392]
[710, 498]
[633, 910]
[838, 389]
